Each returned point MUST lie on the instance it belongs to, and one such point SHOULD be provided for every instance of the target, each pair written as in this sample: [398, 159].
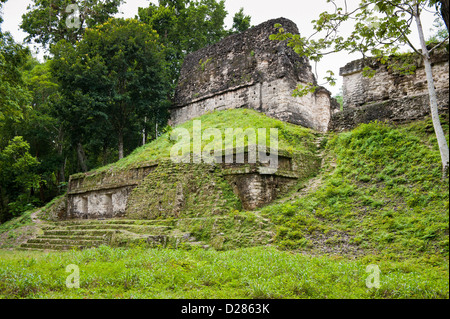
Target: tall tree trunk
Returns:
[62, 169]
[59, 147]
[105, 153]
[3, 204]
[120, 132]
[41, 191]
[442, 142]
[81, 157]
[144, 132]
[444, 11]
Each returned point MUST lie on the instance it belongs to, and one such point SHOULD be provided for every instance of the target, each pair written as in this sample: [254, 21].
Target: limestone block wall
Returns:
[104, 194]
[167, 189]
[389, 95]
[107, 203]
[248, 70]
[394, 111]
[388, 84]
[256, 190]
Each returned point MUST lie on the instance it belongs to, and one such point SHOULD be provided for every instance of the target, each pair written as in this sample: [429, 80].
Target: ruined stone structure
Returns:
[248, 70]
[167, 189]
[389, 95]
[104, 194]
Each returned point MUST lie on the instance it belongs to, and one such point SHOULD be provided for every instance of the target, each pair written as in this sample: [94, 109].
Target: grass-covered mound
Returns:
[291, 138]
[199, 189]
[380, 193]
[378, 200]
[16, 230]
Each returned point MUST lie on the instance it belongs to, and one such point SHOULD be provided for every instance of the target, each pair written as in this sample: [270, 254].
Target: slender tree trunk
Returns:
[62, 169]
[144, 132]
[105, 153]
[120, 144]
[442, 142]
[81, 157]
[444, 11]
[59, 147]
[3, 204]
[41, 192]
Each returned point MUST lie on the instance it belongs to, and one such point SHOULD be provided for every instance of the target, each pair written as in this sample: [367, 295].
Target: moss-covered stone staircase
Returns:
[241, 229]
[81, 234]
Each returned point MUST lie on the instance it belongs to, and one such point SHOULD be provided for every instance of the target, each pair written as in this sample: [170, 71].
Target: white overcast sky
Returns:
[299, 11]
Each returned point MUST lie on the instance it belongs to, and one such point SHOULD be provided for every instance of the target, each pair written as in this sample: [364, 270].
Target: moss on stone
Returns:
[181, 190]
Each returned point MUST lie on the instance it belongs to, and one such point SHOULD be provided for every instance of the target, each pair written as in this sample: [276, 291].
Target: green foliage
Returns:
[16, 161]
[17, 222]
[113, 82]
[292, 138]
[17, 177]
[260, 272]
[440, 33]
[384, 196]
[1, 19]
[28, 94]
[380, 29]
[340, 99]
[241, 22]
[187, 26]
[203, 64]
[46, 20]
[382, 202]
[14, 96]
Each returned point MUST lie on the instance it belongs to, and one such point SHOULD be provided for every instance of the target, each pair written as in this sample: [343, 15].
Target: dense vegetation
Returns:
[379, 200]
[103, 89]
[246, 273]
[383, 193]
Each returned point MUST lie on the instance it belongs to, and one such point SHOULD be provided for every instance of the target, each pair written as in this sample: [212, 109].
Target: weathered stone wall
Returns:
[105, 203]
[176, 190]
[389, 95]
[104, 194]
[167, 189]
[256, 185]
[248, 70]
[399, 110]
[387, 84]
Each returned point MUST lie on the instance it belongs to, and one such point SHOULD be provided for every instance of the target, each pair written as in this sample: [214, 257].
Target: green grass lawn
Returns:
[261, 272]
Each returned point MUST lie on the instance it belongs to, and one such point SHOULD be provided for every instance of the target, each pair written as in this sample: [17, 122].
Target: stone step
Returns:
[162, 222]
[74, 232]
[36, 249]
[70, 237]
[64, 241]
[56, 246]
[79, 234]
[133, 228]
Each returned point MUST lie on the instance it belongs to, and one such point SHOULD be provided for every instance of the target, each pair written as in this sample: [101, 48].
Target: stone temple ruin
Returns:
[165, 202]
[390, 95]
[248, 70]
[169, 187]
